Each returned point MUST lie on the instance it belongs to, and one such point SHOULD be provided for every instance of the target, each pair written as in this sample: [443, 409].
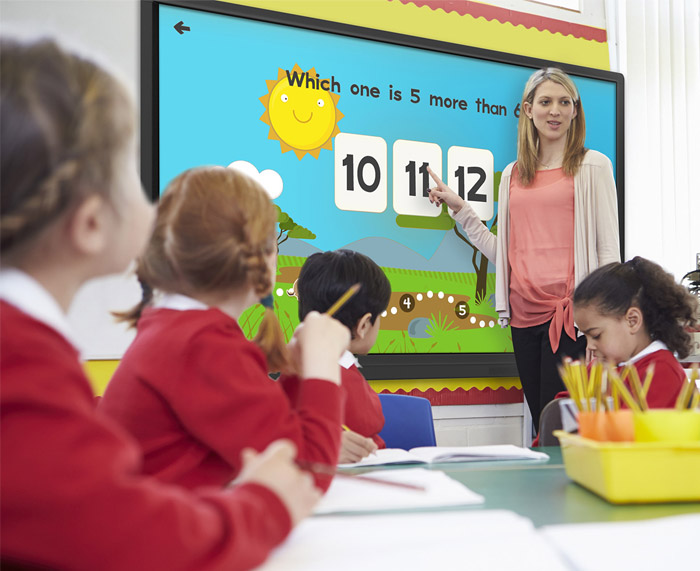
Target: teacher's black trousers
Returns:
[537, 364]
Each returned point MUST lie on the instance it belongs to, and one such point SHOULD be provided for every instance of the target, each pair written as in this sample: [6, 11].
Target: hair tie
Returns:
[146, 290]
[632, 263]
[268, 302]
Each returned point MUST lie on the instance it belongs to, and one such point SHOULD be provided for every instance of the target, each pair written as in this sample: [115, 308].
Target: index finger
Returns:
[435, 177]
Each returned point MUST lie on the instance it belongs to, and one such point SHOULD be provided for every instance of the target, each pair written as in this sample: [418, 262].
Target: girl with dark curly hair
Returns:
[636, 313]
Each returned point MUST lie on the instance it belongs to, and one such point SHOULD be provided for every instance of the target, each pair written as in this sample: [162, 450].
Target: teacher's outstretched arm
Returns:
[464, 215]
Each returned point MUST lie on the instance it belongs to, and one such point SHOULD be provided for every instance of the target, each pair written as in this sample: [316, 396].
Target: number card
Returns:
[360, 173]
[470, 173]
[411, 179]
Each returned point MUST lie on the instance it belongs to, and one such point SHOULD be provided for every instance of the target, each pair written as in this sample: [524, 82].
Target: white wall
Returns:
[109, 31]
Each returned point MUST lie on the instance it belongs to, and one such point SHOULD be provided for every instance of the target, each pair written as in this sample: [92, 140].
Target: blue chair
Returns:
[408, 421]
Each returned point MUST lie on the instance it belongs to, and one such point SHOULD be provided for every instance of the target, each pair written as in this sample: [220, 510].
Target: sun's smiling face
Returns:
[303, 119]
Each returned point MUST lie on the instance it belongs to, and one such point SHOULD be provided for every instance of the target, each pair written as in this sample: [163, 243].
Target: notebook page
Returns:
[646, 545]
[356, 494]
[471, 453]
[385, 456]
[447, 541]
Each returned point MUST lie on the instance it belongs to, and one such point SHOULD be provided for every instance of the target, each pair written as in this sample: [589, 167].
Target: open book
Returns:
[439, 454]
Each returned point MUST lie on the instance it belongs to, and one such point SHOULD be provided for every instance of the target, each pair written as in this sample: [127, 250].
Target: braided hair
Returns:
[214, 233]
[62, 120]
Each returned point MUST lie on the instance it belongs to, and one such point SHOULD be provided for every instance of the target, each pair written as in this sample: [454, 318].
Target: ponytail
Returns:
[131, 316]
[668, 308]
[271, 341]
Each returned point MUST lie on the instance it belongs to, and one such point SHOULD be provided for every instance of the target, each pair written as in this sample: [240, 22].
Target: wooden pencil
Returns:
[319, 468]
[343, 299]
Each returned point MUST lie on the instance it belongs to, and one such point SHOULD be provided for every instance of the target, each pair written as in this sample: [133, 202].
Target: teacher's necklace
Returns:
[552, 163]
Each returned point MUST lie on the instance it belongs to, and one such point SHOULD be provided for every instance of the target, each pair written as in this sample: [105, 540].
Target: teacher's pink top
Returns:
[541, 253]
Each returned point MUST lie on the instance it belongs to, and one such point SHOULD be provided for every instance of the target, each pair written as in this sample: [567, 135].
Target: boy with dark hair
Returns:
[324, 277]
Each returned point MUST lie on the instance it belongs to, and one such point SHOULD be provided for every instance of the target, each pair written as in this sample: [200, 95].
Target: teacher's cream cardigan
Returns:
[596, 236]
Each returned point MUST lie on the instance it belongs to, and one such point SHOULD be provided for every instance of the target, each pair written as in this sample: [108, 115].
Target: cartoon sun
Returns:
[303, 119]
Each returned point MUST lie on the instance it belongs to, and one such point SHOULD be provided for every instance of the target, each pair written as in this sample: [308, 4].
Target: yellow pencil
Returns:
[684, 394]
[647, 379]
[637, 390]
[604, 389]
[570, 385]
[696, 399]
[580, 385]
[693, 379]
[342, 300]
[623, 391]
[597, 374]
[615, 396]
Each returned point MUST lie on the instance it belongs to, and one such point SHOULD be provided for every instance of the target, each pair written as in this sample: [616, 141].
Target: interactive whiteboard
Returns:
[339, 124]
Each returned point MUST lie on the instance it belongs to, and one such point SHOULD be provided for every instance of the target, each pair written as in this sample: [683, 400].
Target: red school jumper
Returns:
[194, 392]
[363, 409]
[666, 383]
[668, 377]
[73, 494]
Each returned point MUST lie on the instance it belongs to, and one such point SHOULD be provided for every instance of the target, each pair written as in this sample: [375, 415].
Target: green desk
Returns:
[544, 493]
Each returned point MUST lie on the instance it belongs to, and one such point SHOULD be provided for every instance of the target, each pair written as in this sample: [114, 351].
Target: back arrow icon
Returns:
[180, 28]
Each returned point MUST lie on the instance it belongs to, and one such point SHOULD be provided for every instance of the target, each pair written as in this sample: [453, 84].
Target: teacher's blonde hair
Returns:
[528, 138]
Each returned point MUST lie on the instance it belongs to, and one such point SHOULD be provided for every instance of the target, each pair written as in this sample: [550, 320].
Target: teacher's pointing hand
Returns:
[443, 193]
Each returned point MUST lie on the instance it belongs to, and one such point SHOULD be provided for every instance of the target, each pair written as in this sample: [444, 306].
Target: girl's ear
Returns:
[364, 324]
[634, 319]
[527, 109]
[88, 225]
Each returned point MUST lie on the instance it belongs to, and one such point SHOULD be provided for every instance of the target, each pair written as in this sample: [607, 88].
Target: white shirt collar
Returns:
[648, 350]
[177, 302]
[29, 296]
[347, 360]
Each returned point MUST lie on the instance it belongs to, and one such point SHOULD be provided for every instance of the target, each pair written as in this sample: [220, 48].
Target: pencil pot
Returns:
[592, 425]
[613, 426]
[667, 425]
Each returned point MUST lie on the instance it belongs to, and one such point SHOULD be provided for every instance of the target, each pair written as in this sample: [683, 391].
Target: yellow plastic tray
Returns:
[633, 472]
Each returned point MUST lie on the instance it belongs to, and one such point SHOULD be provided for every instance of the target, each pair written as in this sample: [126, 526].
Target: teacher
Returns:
[557, 213]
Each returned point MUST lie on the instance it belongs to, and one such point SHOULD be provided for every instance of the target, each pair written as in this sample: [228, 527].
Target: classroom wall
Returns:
[108, 30]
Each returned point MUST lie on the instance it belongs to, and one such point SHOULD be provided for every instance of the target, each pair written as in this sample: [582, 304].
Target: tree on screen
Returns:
[445, 222]
[290, 229]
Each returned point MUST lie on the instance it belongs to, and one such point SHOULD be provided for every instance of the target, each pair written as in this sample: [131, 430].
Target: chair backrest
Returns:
[550, 420]
[408, 421]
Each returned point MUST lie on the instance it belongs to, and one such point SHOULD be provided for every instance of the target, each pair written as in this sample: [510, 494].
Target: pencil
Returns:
[580, 384]
[684, 394]
[637, 389]
[342, 300]
[318, 468]
[647, 379]
[623, 391]
[615, 394]
[693, 379]
[569, 384]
